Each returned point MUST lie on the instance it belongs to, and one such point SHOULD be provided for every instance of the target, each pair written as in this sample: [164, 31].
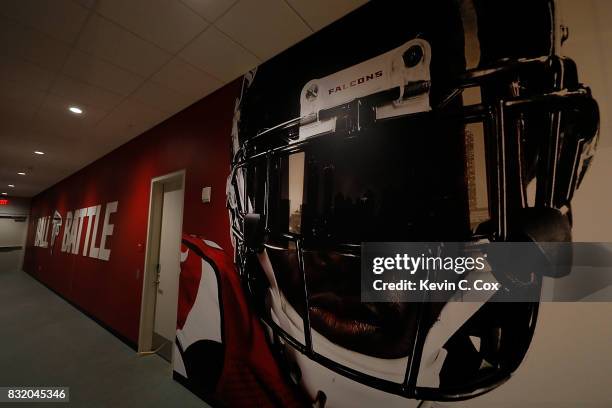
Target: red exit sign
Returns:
[4, 201]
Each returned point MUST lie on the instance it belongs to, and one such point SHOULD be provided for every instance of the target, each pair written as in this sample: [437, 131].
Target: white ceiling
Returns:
[129, 64]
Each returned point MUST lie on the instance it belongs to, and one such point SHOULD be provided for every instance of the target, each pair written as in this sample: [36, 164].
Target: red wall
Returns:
[197, 140]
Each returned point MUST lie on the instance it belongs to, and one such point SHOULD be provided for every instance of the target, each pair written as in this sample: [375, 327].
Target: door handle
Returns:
[157, 270]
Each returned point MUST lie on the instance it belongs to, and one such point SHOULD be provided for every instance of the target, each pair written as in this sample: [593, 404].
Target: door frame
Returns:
[149, 295]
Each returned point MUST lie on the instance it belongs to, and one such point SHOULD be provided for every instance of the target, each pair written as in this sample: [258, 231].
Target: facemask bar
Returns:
[503, 137]
[502, 145]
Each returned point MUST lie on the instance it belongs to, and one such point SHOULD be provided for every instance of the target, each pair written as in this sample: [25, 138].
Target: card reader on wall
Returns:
[206, 194]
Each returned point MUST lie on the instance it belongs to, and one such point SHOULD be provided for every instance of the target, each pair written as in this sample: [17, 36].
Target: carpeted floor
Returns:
[44, 341]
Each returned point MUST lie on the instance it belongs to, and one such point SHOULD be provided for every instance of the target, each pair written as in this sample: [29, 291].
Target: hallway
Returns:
[47, 342]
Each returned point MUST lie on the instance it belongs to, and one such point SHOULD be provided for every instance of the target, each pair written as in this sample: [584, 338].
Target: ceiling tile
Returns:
[162, 98]
[110, 41]
[32, 46]
[320, 13]
[100, 73]
[32, 136]
[186, 79]
[40, 169]
[10, 125]
[16, 148]
[17, 92]
[167, 23]
[59, 105]
[210, 9]
[54, 117]
[14, 159]
[18, 100]
[127, 121]
[265, 27]
[218, 55]
[18, 157]
[20, 111]
[130, 114]
[26, 73]
[60, 19]
[21, 138]
[84, 93]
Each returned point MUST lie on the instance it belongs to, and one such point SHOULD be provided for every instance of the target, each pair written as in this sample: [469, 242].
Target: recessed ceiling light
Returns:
[21, 173]
[75, 109]
[11, 185]
[39, 152]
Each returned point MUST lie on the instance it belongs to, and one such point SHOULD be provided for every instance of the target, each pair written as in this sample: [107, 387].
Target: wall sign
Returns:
[4, 201]
[48, 229]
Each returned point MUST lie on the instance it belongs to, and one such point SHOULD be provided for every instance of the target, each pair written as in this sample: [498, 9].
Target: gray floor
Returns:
[44, 341]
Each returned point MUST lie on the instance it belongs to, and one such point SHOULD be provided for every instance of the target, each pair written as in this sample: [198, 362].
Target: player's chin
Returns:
[365, 333]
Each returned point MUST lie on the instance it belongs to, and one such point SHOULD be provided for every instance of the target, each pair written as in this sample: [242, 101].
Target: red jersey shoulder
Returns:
[204, 248]
[198, 253]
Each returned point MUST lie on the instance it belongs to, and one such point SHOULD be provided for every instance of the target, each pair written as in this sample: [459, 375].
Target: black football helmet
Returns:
[455, 120]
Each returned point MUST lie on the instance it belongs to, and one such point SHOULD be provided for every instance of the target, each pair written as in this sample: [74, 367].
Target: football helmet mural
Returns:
[443, 121]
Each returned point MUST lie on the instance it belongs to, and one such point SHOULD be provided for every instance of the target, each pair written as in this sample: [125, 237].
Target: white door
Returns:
[169, 262]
